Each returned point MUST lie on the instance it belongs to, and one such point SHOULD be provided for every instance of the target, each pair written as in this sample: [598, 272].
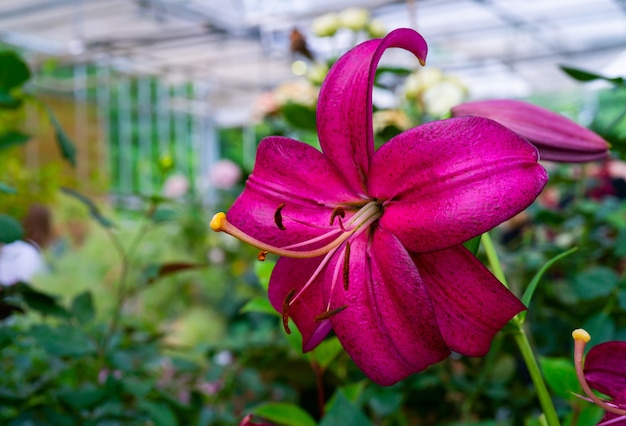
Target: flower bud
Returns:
[556, 137]
[326, 25]
[354, 19]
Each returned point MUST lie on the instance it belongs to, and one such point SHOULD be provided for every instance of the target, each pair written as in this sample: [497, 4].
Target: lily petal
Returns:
[557, 137]
[289, 274]
[470, 304]
[294, 174]
[388, 327]
[447, 181]
[605, 368]
[344, 109]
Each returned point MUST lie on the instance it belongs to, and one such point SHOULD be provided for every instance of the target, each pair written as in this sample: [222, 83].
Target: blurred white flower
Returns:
[440, 98]
[317, 73]
[355, 19]
[326, 25]
[390, 117]
[175, 186]
[420, 81]
[19, 262]
[224, 174]
[299, 91]
[376, 29]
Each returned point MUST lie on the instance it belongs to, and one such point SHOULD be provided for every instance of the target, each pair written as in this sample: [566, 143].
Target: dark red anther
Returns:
[278, 217]
[346, 266]
[285, 310]
[328, 314]
[339, 211]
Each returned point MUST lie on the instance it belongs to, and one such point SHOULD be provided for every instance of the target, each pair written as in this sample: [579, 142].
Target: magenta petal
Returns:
[450, 180]
[605, 368]
[388, 327]
[294, 174]
[557, 137]
[291, 274]
[470, 304]
[344, 109]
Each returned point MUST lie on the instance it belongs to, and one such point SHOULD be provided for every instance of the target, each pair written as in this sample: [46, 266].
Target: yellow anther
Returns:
[581, 335]
[217, 223]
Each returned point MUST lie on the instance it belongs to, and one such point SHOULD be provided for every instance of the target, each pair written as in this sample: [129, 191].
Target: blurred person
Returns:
[23, 259]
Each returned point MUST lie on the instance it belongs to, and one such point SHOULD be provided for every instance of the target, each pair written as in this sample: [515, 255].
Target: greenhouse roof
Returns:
[240, 48]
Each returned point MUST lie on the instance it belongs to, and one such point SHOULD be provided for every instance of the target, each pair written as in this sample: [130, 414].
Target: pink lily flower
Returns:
[605, 371]
[371, 240]
[557, 137]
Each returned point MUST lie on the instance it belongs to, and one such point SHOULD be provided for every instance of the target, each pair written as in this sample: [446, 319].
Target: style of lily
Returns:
[371, 240]
[556, 137]
[605, 371]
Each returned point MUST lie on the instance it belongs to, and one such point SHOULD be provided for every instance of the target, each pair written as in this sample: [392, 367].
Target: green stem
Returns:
[535, 373]
[492, 257]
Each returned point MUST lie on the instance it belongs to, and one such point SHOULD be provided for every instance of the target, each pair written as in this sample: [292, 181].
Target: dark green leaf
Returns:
[83, 398]
[299, 116]
[285, 414]
[327, 351]
[595, 282]
[164, 214]
[585, 76]
[8, 309]
[63, 340]
[83, 308]
[13, 138]
[343, 412]
[560, 375]
[13, 71]
[42, 302]
[10, 229]
[94, 211]
[66, 146]
[7, 189]
[601, 327]
[9, 102]
[160, 413]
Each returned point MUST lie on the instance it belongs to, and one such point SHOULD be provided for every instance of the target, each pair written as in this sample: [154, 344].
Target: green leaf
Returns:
[7, 310]
[532, 286]
[13, 71]
[7, 189]
[94, 211]
[10, 229]
[154, 271]
[83, 307]
[473, 244]
[259, 304]
[42, 302]
[164, 214]
[560, 375]
[585, 76]
[343, 412]
[300, 116]
[285, 414]
[66, 146]
[327, 351]
[264, 272]
[13, 138]
[601, 327]
[595, 282]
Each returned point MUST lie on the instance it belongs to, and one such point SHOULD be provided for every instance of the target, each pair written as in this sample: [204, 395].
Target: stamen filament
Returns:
[581, 337]
[370, 212]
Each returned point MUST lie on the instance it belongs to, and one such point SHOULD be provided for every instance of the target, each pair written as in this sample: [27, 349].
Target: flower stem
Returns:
[535, 373]
[492, 257]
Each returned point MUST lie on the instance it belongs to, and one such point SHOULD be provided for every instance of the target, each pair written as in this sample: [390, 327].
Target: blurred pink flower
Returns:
[224, 174]
[175, 186]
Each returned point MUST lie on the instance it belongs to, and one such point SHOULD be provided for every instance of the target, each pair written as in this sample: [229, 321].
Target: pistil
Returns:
[581, 337]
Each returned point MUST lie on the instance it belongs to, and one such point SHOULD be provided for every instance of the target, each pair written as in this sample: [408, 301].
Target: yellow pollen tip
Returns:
[581, 335]
[218, 221]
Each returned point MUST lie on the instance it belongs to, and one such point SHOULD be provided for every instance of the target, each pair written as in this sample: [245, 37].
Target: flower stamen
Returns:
[581, 337]
[262, 255]
[327, 314]
[285, 310]
[278, 218]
